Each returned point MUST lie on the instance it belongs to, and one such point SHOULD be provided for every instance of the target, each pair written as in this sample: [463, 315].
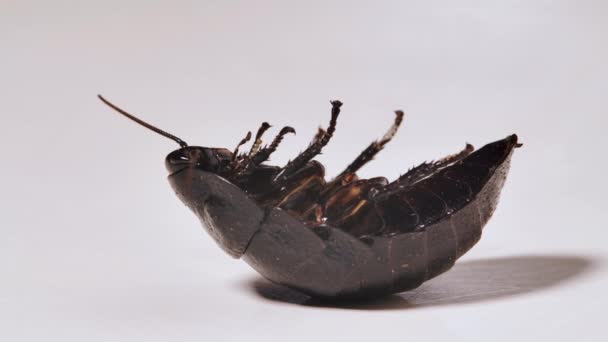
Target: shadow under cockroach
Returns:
[468, 282]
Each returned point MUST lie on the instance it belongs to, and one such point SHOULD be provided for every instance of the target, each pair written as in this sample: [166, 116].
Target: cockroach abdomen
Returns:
[226, 212]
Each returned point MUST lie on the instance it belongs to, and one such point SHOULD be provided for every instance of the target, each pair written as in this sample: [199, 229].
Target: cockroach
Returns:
[346, 238]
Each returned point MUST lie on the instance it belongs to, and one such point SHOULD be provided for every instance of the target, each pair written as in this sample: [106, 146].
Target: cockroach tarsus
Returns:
[344, 238]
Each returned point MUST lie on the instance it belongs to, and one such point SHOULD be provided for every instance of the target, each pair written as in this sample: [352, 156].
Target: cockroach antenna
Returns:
[143, 123]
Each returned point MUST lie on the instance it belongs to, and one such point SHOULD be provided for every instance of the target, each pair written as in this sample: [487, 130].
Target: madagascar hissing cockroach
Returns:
[344, 238]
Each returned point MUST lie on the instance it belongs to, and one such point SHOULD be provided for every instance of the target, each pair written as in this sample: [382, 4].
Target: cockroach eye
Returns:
[178, 160]
[192, 156]
[346, 237]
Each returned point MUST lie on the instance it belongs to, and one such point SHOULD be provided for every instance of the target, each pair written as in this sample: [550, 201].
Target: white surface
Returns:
[95, 247]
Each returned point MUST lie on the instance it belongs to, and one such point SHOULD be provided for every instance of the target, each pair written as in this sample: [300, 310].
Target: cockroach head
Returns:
[204, 158]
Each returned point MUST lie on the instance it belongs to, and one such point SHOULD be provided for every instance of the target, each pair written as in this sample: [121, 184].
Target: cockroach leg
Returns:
[265, 152]
[320, 133]
[258, 139]
[299, 196]
[375, 147]
[453, 158]
[235, 154]
[335, 111]
[313, 149]
[348, 175]
[424, 170]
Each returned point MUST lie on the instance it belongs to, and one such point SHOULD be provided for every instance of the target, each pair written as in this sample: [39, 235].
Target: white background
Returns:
[94, 246]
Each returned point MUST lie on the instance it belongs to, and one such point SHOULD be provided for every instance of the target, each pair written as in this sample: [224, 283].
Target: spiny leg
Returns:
[348, 175]
[235, 157]
[375, 147]
[265, 152]
[252, 162]
[335, 111]
[258, 139]
[425, 170]
[320, 133]
[313, 149]
[453, 158]
[300, 192]
[247, 163]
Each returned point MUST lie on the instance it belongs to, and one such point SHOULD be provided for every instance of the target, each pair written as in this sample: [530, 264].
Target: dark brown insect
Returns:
[349, 237]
